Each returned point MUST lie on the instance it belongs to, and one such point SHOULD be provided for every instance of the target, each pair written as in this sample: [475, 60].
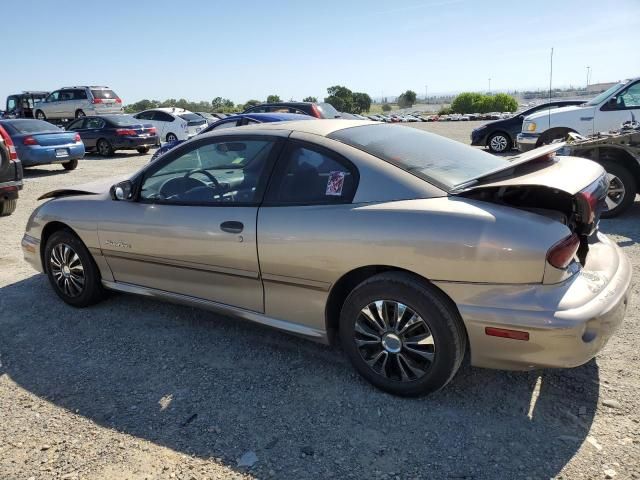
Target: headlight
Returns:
[531, 127]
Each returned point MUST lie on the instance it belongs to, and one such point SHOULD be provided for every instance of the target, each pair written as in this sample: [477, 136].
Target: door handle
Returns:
[232, 227]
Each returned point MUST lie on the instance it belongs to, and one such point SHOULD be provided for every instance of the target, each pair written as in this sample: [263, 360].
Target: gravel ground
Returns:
[135, 389]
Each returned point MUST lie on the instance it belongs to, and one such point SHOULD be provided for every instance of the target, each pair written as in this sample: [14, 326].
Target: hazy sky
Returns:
[243, 49]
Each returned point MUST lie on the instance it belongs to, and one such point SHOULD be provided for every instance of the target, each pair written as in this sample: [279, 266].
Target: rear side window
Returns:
[313, 175]
[95, 123]
[162, 117]
[80, 94]
[104, 94]
[327, 110]
[66, 95]
[145, 115]
[220, 126]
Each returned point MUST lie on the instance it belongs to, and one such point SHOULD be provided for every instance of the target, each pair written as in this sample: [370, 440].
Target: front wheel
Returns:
[402, 335]
[143, 150]
[622, 187]
[72, 272]
[70, 165]
[499, 143]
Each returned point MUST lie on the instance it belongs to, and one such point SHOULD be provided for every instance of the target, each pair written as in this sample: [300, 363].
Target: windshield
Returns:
[603, 96]
[32, 126]
[327, 110]
[438, 160]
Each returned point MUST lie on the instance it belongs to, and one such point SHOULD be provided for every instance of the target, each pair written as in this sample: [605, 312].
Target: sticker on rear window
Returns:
[335, 183]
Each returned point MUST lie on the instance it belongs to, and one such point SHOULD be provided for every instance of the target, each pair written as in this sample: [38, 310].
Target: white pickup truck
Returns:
[607, 111]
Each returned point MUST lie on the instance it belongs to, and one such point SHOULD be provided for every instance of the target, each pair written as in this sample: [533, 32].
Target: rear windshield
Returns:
[122, 119]
[104, 94]
[31, 126]
[438, 160]
[191, 117]
[327, 110]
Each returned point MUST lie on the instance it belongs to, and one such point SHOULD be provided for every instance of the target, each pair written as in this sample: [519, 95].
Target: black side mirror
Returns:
[612, 103]
[122, 191]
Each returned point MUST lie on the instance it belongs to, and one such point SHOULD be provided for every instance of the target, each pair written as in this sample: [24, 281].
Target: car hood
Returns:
[557, 111]
[93, 188]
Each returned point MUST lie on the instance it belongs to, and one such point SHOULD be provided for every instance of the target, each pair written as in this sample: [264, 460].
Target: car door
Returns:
[79, 126]
[308, 203]
[191, 229]
[93, 131]
[67, 104]
[620, 108]
[51, 106]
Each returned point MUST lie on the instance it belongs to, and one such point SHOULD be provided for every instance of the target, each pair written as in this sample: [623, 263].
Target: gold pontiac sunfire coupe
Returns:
[408, 248]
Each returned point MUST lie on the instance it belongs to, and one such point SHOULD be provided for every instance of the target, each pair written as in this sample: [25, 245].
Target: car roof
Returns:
[175, 110]
[321, 127]
[269, 116]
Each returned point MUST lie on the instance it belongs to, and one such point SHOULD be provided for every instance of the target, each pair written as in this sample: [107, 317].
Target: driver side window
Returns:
[630, 98]
[229, 171]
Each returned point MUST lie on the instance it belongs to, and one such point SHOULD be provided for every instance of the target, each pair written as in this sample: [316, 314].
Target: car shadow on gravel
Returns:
[118, 155]
[35, 172]
[216, 388]
[626, 225]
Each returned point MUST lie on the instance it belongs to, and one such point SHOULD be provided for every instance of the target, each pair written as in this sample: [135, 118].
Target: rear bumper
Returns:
[131, 143]
[527, 141]
[568, 323]
[44, 155]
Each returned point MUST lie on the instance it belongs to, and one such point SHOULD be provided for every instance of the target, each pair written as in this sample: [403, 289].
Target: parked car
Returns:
[500, 136]
[75, 102]
[107, 133]
[21, 105]
[40, 143]
[607, 111]
[239, 120]
[210, 118]
[318, 110]
[172, 123]
[268, 223]
[619, 154]
[10, 174]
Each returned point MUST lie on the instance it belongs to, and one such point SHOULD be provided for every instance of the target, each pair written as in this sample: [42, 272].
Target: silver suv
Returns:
[75, 102]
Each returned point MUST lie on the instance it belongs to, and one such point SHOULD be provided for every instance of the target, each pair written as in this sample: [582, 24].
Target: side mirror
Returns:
[612, 103]
[122, 191]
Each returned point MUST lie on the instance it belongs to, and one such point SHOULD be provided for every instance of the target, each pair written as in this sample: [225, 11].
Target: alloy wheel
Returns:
[103, 148]
[67, 270]
[394, 340]
[498, 143]
[615, 193]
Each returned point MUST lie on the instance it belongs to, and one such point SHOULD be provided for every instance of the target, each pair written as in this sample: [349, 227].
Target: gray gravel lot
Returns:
[133, 388]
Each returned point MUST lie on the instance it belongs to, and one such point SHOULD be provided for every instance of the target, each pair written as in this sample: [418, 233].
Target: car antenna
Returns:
[550, 80]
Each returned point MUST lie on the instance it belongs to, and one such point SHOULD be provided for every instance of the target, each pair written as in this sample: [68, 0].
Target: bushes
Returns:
[470, 102]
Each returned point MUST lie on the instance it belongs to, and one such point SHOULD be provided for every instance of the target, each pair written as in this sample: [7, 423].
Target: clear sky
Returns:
[244, 49]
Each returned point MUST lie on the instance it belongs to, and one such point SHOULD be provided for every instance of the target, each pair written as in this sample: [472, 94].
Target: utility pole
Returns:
[426, 95]
[588, 75]
[489, 85]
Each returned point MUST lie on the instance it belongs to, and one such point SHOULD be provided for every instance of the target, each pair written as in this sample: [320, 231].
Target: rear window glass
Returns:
[327, 110]
[122, 119]
[190, 117]
[104, 94]
[438, 160]
[32, 126]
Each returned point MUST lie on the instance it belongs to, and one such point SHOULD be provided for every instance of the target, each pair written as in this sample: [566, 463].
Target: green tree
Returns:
[407, 99]
[504, 103]
[250, 104]
[467, 102]
[386, 107]
[361, 102]
[340, 97]
[310, 99]
[273, 99]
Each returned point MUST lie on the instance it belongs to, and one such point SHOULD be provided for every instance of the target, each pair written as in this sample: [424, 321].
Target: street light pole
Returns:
[425, 94]
[588, 75]
[489, 85]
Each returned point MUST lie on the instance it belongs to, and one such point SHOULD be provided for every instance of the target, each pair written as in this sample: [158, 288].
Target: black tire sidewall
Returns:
[109, 148]
[7, 207]
[171, 137]
[629, 183]
[93, 289]
[70, 165]
[143, 150]
[447, 336]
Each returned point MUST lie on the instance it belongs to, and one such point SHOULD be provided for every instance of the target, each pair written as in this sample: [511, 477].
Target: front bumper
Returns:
[31, 251]
[527, 141]
[479, 138]
[568, 322]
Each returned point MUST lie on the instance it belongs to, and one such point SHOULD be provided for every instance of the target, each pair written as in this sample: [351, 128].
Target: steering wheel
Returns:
[216, 184]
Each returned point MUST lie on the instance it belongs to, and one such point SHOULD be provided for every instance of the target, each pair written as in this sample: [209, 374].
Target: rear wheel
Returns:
[71, 270]
[80, 114]
[40, 115]
[143, 150]
[104, 148]
[171, 137]
[499, 142]
[622, 187]
[402, 335]
[7, 207]
[70, 165]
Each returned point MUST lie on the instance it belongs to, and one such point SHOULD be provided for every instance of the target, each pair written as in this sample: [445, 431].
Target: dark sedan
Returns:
[318, 110]
[500, 136]
[107, 133]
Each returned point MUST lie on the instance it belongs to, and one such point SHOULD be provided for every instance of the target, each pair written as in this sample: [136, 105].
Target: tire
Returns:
[143, 150]
[70, 165]
[171, 137]
[7, 207]
[80, 114]
[621, 179]
[427, 367]
[104, 148]
[74, 277]
[499, 142]
[40, 115]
